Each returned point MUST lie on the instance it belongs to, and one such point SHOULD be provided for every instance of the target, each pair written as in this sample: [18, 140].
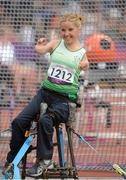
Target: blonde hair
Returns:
[78, 20]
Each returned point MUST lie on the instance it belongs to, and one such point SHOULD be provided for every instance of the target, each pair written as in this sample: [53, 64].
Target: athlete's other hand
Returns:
[84, 64]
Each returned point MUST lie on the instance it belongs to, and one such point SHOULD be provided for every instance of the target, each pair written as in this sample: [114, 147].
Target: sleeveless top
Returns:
[63, 72]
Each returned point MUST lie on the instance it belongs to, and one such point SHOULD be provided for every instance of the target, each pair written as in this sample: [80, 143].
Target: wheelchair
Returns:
[65, 168]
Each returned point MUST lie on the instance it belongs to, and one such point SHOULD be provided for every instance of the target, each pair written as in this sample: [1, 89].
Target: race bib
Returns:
[60, 74]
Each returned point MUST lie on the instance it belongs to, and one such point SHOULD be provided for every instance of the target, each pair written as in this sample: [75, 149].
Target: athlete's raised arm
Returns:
[44, 46]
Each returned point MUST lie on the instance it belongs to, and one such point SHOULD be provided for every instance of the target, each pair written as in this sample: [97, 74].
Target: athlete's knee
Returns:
[15, 123]
[19, 124]
[46, 120]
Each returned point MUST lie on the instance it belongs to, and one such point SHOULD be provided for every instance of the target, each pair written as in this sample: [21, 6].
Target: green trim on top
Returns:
[83, 56]
[56, 47]
[69, 49]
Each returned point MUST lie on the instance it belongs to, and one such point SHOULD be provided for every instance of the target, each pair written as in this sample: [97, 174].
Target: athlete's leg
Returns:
[22, 122]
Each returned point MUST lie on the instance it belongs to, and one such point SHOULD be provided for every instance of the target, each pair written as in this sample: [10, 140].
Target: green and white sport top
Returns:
[63, 72]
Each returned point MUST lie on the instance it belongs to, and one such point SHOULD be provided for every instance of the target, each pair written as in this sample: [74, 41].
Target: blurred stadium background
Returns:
[102, 116]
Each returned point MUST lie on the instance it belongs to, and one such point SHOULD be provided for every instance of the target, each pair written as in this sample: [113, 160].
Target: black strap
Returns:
[62, 95]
